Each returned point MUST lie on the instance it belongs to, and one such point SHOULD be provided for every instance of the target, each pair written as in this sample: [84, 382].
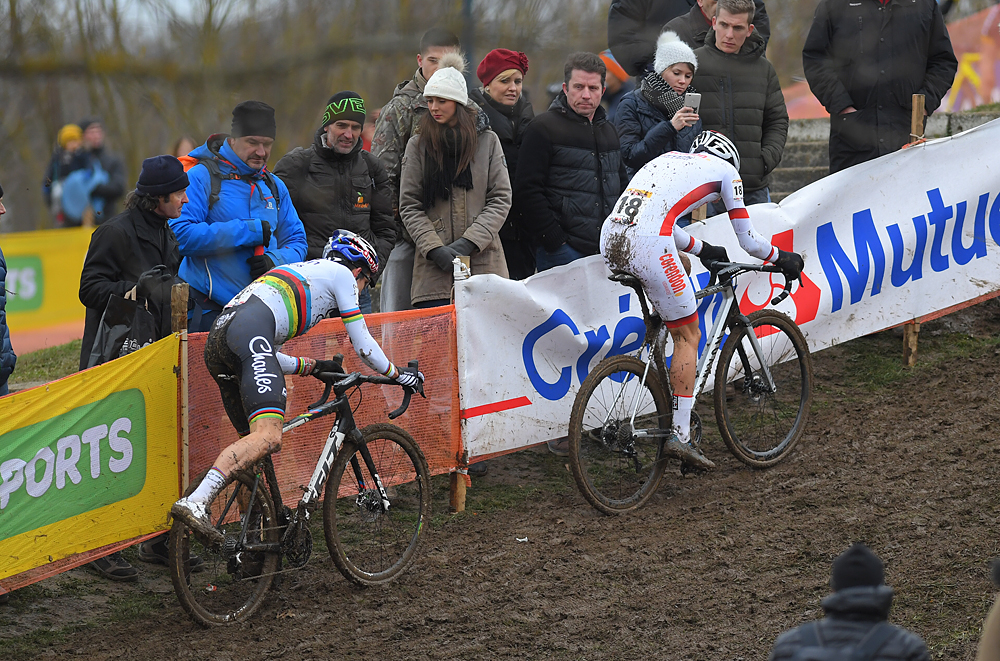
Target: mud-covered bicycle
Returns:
[377, 501]
[622, 414]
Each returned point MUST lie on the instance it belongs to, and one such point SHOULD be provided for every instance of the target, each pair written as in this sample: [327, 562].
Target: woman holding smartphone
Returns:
[661, 115]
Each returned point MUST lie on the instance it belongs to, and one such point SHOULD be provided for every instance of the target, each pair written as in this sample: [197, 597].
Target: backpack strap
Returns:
[809, 634]
[875, 639]
[214, 178]
[273, 185]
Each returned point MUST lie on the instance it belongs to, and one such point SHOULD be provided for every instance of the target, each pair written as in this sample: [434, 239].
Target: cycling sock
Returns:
[210, 486]
[682, 417]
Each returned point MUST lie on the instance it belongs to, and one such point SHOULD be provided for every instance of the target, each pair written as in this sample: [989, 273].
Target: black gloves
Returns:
[463, 246]
[265, 229]
[336, 365]
[152, 279]
[442, 257]
[712, 253]
[790, 263]
[259, 265]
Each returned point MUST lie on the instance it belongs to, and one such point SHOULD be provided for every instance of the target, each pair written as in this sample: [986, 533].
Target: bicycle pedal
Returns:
[691, 468]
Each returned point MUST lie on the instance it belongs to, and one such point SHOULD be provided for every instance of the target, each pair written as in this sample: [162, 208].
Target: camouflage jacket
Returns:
[400, 119]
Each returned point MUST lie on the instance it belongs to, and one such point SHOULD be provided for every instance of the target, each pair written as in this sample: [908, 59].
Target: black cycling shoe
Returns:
[155, 551]
[479, 470]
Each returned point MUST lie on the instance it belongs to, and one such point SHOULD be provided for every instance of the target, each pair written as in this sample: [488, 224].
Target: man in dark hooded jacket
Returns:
[335, 184]
[856, 615]
[634, 25]
[741, 96]
[865, 60]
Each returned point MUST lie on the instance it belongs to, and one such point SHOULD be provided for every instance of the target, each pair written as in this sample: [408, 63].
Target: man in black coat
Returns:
[865, 60]
[856, 615]
[634, 25]
[693, 26]
[741, 96]
[136, 249]
[335, 184]
[570, 170]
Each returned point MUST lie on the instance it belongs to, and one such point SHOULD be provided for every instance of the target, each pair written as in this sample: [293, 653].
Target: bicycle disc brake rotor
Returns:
[369, 504]
[756, 387]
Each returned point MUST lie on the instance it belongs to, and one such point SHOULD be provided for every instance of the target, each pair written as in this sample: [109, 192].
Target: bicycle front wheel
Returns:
[372, 542]
[616, 471]
[228, 585]
[761, 424]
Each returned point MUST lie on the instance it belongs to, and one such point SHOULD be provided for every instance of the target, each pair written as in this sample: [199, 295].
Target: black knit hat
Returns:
[253, 118]
[161, 175]
[1, 191]
[856, 567]
[344, 105]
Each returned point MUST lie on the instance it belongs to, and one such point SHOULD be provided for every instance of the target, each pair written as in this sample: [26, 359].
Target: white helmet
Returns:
[717, 144]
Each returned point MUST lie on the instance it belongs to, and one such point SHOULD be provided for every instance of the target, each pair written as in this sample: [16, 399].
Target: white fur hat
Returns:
[448, 81]
[671, 50]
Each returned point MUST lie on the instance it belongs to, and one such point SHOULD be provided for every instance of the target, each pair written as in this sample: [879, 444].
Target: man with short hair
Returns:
[570, 171]
[856, 618]
[399, 120]
[634, 26]
[693, 26]
[335, 184]
[105, 196]
[740, 95]
[865, 60]
[239, 222]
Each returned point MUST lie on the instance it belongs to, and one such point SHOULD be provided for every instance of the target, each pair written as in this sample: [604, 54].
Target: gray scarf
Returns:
[661, 95]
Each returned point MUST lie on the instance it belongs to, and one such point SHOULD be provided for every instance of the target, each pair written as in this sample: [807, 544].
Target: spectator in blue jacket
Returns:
[653, 119]
[7, 356]
[217, 237]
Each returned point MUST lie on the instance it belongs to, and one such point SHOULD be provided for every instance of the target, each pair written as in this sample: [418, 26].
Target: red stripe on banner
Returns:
[505, 405]
[685, 203]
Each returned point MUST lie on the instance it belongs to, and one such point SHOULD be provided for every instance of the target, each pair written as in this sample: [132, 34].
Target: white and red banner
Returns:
[885, 242]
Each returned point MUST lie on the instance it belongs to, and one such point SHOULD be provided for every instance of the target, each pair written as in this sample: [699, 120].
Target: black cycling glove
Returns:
[712, 253]
[790, 263]
[336, 365]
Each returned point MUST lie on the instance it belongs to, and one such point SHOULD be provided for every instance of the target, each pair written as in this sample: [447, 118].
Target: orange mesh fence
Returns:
[425, 335]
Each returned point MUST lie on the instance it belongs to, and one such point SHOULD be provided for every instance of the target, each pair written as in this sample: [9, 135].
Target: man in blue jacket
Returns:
[234, 207]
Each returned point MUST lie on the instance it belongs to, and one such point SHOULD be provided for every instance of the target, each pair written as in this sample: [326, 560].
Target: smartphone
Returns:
[693, 100]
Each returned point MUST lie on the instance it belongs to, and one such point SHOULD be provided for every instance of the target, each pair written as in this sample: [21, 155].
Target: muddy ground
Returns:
[713, 567]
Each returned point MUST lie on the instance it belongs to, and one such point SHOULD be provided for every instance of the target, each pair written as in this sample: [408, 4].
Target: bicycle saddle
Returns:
[626, 279]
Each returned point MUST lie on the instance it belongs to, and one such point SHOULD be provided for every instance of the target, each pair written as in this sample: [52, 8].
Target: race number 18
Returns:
[629, 204]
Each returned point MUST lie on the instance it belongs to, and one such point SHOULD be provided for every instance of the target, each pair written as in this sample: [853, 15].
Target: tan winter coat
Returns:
[476, 215]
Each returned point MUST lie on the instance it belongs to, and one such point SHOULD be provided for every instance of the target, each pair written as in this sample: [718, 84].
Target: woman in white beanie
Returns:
[653, 119]
[454, 191]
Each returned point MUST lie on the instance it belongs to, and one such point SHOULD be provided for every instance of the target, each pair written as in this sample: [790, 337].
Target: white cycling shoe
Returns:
[195, 516]
[687, 452]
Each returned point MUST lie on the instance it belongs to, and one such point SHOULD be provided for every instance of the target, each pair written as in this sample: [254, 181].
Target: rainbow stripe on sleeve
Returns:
[349, 316]
[294, 290]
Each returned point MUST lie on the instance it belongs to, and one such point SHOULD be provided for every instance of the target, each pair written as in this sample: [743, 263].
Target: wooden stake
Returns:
[179, 307]
[178, 324]
[917, 118]
[701, 213]
[911, 332]
[457, 503]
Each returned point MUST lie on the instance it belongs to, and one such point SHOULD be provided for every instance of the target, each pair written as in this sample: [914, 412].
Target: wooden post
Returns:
[701, 213]
[178, 324]
[917, 118]
[911, 332]
[457, 502]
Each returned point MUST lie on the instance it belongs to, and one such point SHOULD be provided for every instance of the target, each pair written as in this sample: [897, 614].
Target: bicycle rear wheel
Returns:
[369, 543]
[231, 584]
[615, 471]
[759, 426]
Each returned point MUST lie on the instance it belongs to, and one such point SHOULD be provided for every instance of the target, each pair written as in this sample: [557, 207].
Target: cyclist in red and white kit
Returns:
[243, 354]
[641, 238]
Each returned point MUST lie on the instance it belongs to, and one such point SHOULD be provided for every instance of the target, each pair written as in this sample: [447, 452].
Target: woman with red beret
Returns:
[502, 73]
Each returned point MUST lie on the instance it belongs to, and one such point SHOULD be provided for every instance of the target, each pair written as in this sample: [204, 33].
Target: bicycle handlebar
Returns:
[346, 381]
[730, 270]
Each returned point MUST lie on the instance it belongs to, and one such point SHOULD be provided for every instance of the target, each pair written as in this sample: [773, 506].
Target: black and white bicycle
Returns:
[622, 413]
[376, 503]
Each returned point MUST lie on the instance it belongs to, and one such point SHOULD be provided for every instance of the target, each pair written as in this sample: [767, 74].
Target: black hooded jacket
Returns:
[569, 175]
[120, 250]
[850, 615]
[333, 191]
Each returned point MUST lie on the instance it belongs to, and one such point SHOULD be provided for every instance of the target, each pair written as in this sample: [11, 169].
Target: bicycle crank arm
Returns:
[652, 433]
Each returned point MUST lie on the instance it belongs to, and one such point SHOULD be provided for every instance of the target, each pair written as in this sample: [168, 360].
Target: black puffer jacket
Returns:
[339, 191]
[691, 27]
[634, 25]
[875, 58]
[569, 176]
[120, 250]
[850, 615]
[741, 97]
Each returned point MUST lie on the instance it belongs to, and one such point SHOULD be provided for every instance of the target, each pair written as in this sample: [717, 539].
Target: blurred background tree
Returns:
[155, 70]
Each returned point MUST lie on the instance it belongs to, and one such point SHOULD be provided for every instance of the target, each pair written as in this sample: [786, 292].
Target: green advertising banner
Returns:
[25, 283]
